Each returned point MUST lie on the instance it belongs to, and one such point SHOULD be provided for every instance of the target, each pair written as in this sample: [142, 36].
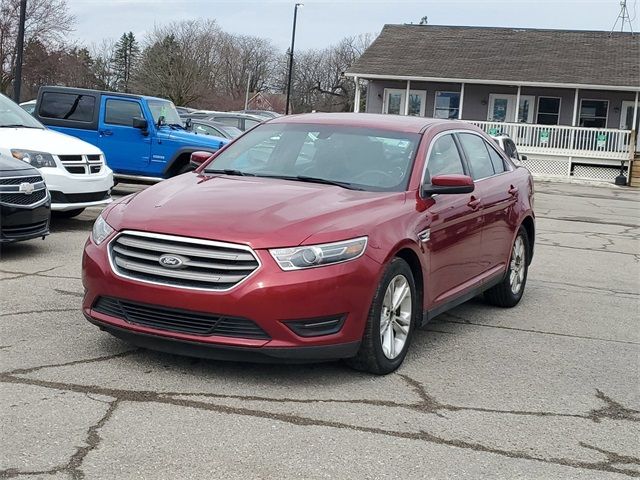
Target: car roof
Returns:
[99, 92]
[399, 123]
[211, 122]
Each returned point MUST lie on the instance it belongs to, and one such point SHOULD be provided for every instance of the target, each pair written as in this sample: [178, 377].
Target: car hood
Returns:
[259, 212]
[10, 167]
[191, 139]
[44, 140]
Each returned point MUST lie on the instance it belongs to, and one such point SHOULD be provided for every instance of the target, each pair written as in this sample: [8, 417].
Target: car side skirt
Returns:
[492, 281]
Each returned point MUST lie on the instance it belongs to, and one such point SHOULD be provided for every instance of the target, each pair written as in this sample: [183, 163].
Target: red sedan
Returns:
[314, 237]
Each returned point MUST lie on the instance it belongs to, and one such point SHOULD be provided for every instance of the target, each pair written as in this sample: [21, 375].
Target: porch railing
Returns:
[596, 143]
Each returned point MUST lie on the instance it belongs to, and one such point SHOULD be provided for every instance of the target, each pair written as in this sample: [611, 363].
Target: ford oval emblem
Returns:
[171, 261]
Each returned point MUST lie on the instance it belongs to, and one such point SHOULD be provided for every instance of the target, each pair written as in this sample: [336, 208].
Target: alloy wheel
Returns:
[395, 317]
[517, 266]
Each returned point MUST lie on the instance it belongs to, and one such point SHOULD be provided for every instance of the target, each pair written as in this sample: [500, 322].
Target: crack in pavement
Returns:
[425, 404]
[39, 273]
[68, 293]
[46, 310]
[74, 466]
[596, 221]
[591, 289]
[458, 320]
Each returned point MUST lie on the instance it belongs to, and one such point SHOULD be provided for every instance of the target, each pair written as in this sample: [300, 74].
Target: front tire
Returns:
[509, 292]
[391, 322]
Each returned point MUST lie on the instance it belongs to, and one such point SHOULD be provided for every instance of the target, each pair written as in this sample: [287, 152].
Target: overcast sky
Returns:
[321, 22]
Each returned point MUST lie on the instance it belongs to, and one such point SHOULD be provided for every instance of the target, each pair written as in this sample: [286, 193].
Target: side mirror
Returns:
[140, 123]
[188, 124]
[448, 184]
[198, 158]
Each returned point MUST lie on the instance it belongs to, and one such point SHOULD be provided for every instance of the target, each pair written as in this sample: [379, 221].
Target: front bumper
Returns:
[19, 223]
[270, 298]
[71, 191]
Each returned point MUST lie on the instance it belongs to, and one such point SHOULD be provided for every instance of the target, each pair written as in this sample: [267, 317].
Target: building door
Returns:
[626, 115]
[502, 108]
[394, 100]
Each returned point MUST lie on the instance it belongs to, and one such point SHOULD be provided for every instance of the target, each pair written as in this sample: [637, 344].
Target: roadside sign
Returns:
[544, 137]
[493, 131]
[601, 140]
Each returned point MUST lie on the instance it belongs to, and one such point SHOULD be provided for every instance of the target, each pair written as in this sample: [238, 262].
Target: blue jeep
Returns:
[140, 136]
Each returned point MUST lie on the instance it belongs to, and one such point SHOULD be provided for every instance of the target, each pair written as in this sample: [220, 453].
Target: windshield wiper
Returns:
[325, 181]
[230, 171]
[15, 125]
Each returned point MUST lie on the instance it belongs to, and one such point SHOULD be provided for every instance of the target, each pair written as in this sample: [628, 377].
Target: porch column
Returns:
[517, 114]
[406, 98]
[575, 108]
[635, 113]
[461, 101]
[356, 100]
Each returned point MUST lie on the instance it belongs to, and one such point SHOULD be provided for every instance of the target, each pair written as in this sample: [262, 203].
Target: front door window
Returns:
[394, 102]
[626, 115]
[502, 108]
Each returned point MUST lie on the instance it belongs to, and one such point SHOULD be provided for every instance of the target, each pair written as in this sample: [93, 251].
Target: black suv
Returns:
[25, 204]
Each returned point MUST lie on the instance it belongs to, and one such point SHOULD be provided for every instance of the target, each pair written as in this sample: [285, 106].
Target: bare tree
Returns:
[180, 61]
[48, 22]
[104, 70]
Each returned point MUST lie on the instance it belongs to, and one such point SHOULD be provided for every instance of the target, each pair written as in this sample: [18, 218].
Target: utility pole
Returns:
[293, 41]
[17, 81]
[246, 96]
[624, 17]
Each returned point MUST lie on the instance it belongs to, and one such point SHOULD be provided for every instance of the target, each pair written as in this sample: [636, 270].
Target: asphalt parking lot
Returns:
[547, 390]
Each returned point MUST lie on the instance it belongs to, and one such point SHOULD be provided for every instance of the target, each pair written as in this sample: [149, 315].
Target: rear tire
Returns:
[388, 331]
[68, 213]
[508, 293]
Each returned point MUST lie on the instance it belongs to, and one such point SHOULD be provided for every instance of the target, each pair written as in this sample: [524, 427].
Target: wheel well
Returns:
[177, 164]
[412, 259]
[530, 228]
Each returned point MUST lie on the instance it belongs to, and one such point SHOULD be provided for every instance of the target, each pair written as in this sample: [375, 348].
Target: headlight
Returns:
[101, 230]
[35, 159]
[310, 256]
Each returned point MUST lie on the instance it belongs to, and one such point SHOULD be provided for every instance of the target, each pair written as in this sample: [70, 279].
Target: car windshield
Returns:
[166, 109]
[12, 115]
[351, 157]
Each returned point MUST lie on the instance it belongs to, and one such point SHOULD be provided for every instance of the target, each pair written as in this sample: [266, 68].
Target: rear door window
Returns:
[121, 112]
[496, 159]
[68, 106]
[477, 154]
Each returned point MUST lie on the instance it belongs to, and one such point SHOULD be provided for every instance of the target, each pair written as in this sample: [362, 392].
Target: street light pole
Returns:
[17, 81]
[293, 41]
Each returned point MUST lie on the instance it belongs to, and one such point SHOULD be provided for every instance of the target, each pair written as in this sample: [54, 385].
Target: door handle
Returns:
[513, 191]
[105, 133]
[474, 203]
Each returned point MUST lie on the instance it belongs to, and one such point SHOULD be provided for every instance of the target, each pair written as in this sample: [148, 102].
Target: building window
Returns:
[593, 113]
[447, 105]
[394, 101]
[548, 111]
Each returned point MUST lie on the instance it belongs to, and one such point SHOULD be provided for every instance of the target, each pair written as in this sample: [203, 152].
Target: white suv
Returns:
[75, 171]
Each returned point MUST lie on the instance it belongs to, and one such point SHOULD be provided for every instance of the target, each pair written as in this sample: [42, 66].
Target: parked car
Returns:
[509, 147]
[184, 110]
[25, 204]
[217, 129]
[241, 121]
[352, 232]
[29, 106]
[261, 113]
[74, 171]
[140, 136]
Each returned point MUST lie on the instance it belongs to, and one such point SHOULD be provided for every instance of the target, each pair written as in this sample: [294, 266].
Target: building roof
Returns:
[503, 55]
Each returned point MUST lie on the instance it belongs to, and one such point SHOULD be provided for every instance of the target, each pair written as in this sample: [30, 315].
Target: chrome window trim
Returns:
[177, 238]
[451, 132]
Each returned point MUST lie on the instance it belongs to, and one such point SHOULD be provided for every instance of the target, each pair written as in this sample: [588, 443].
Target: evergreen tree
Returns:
[127, 52]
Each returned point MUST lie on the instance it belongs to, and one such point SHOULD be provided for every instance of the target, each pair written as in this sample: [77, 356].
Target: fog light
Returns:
[316, 327]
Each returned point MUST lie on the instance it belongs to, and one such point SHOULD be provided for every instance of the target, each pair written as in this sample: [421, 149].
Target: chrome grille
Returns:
[199, 264]
[82, 164]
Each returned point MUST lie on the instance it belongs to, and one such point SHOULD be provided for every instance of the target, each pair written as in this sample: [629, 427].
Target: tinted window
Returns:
[68, 106]
[477, 155]
[121, 112]
[444, 157]
[250, 124]
[206, 130]
[511, 149]
[227, 121]
[496, 159]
